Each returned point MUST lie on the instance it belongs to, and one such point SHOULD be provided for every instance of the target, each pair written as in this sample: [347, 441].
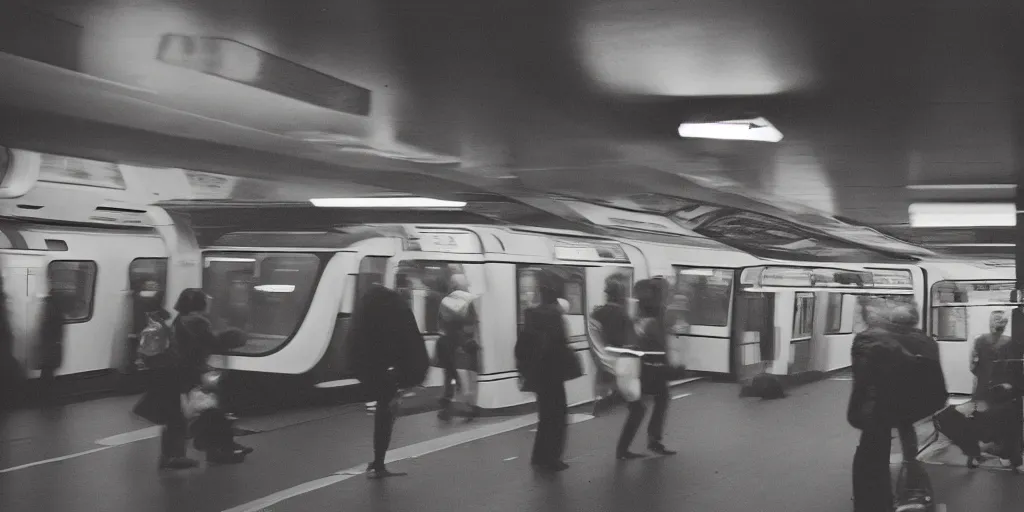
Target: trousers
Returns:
[552, 426]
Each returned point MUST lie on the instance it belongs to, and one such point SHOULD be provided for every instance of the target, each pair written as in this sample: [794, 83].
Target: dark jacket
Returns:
[194, 341]
[616, 325]
[995, 362]
[543, 355]
[384, 335]
[877, 355]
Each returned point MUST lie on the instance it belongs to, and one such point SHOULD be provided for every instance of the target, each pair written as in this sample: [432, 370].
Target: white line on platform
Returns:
[684, 395]
[105, 443]
[55, 459]
[131, 437]
[405, 452]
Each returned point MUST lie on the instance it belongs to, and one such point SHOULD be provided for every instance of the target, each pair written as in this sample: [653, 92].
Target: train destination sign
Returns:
[828, 278]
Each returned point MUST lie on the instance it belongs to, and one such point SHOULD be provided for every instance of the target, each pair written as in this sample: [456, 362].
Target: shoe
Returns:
[225, 457]
[445, 414]
[244, 450]
[915, 501]
[628, 455]
[474, 413]
[660, 449]
[376, 472]
[177, 463]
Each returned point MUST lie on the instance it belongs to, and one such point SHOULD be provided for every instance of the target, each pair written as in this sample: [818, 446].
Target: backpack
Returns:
[156, 345]
[919, 384]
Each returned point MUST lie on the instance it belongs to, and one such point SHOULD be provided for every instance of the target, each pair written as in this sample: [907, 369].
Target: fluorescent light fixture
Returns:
[962, 215]
[275, 288]
[219, 259]
[758, 129]
[706, 272]
[976, 186]
[385, 202]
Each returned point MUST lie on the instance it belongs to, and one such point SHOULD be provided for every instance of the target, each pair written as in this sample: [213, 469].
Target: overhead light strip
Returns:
[385, 202]
[992, 186]
[962, 215]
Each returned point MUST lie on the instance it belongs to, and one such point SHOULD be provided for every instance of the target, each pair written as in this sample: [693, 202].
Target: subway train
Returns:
[292, 289]
[738, 314]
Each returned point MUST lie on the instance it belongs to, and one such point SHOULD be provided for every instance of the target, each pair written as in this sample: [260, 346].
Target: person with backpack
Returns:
[897, 381]
[458, 348]
[545, 363]
[388, 355]
[177, 356]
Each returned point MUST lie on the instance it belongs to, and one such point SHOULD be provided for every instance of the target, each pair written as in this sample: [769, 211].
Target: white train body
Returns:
[293, 291]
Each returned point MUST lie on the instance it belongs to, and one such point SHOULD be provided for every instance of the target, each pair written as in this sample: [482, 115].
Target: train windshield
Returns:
[961, 309]
[264, 294]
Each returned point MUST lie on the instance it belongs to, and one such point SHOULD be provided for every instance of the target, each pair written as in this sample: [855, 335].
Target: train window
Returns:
[148, 274]
[950, 323]
[424, 284]
[75, 282]
[371, 272]
[836, 318]
[265, 294]
[803, 316]
[572, 290]
[701, 296]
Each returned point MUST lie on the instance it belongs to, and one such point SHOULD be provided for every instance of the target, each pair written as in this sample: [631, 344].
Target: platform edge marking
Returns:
[131, 437]
[55, 459]
[406, 452]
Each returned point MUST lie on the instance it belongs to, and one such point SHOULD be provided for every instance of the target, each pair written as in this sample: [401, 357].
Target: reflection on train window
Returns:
[424, 284]
[265, 294]
[803, 316]
[371, 272]
[701, 296]
[571, 281]
[148, 275]
[950, 323]
[836, 306]
[75, 282]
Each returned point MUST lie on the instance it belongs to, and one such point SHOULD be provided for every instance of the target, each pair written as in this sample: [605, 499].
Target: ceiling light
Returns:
[385, 202]
[274, 288]
[962, 215]
[758, 129]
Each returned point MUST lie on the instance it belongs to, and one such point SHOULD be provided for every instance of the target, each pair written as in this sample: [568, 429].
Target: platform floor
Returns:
[735, 455]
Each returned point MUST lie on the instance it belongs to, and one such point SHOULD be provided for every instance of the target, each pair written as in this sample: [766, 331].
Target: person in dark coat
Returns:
[876, 355]
[51, 344]
[651, 336]
[545, 362]
[193, 341]
[388, 354]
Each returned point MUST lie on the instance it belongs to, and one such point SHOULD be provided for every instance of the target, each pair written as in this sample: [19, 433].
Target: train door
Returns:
[334, 368]
[753, 333]
[960, 313]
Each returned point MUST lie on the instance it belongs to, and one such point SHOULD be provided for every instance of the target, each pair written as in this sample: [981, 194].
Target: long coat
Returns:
[383, 335]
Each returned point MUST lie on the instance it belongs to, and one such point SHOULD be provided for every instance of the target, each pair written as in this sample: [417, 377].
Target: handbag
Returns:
[627, 377]
[198, 401]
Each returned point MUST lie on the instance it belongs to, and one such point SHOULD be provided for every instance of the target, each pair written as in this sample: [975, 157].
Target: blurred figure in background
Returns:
[545, 362]
[12, 375]
[610, 325]
[996, 362]
[50, 345]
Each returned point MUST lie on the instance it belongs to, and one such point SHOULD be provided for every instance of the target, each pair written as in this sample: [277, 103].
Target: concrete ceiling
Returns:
[872, 95]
